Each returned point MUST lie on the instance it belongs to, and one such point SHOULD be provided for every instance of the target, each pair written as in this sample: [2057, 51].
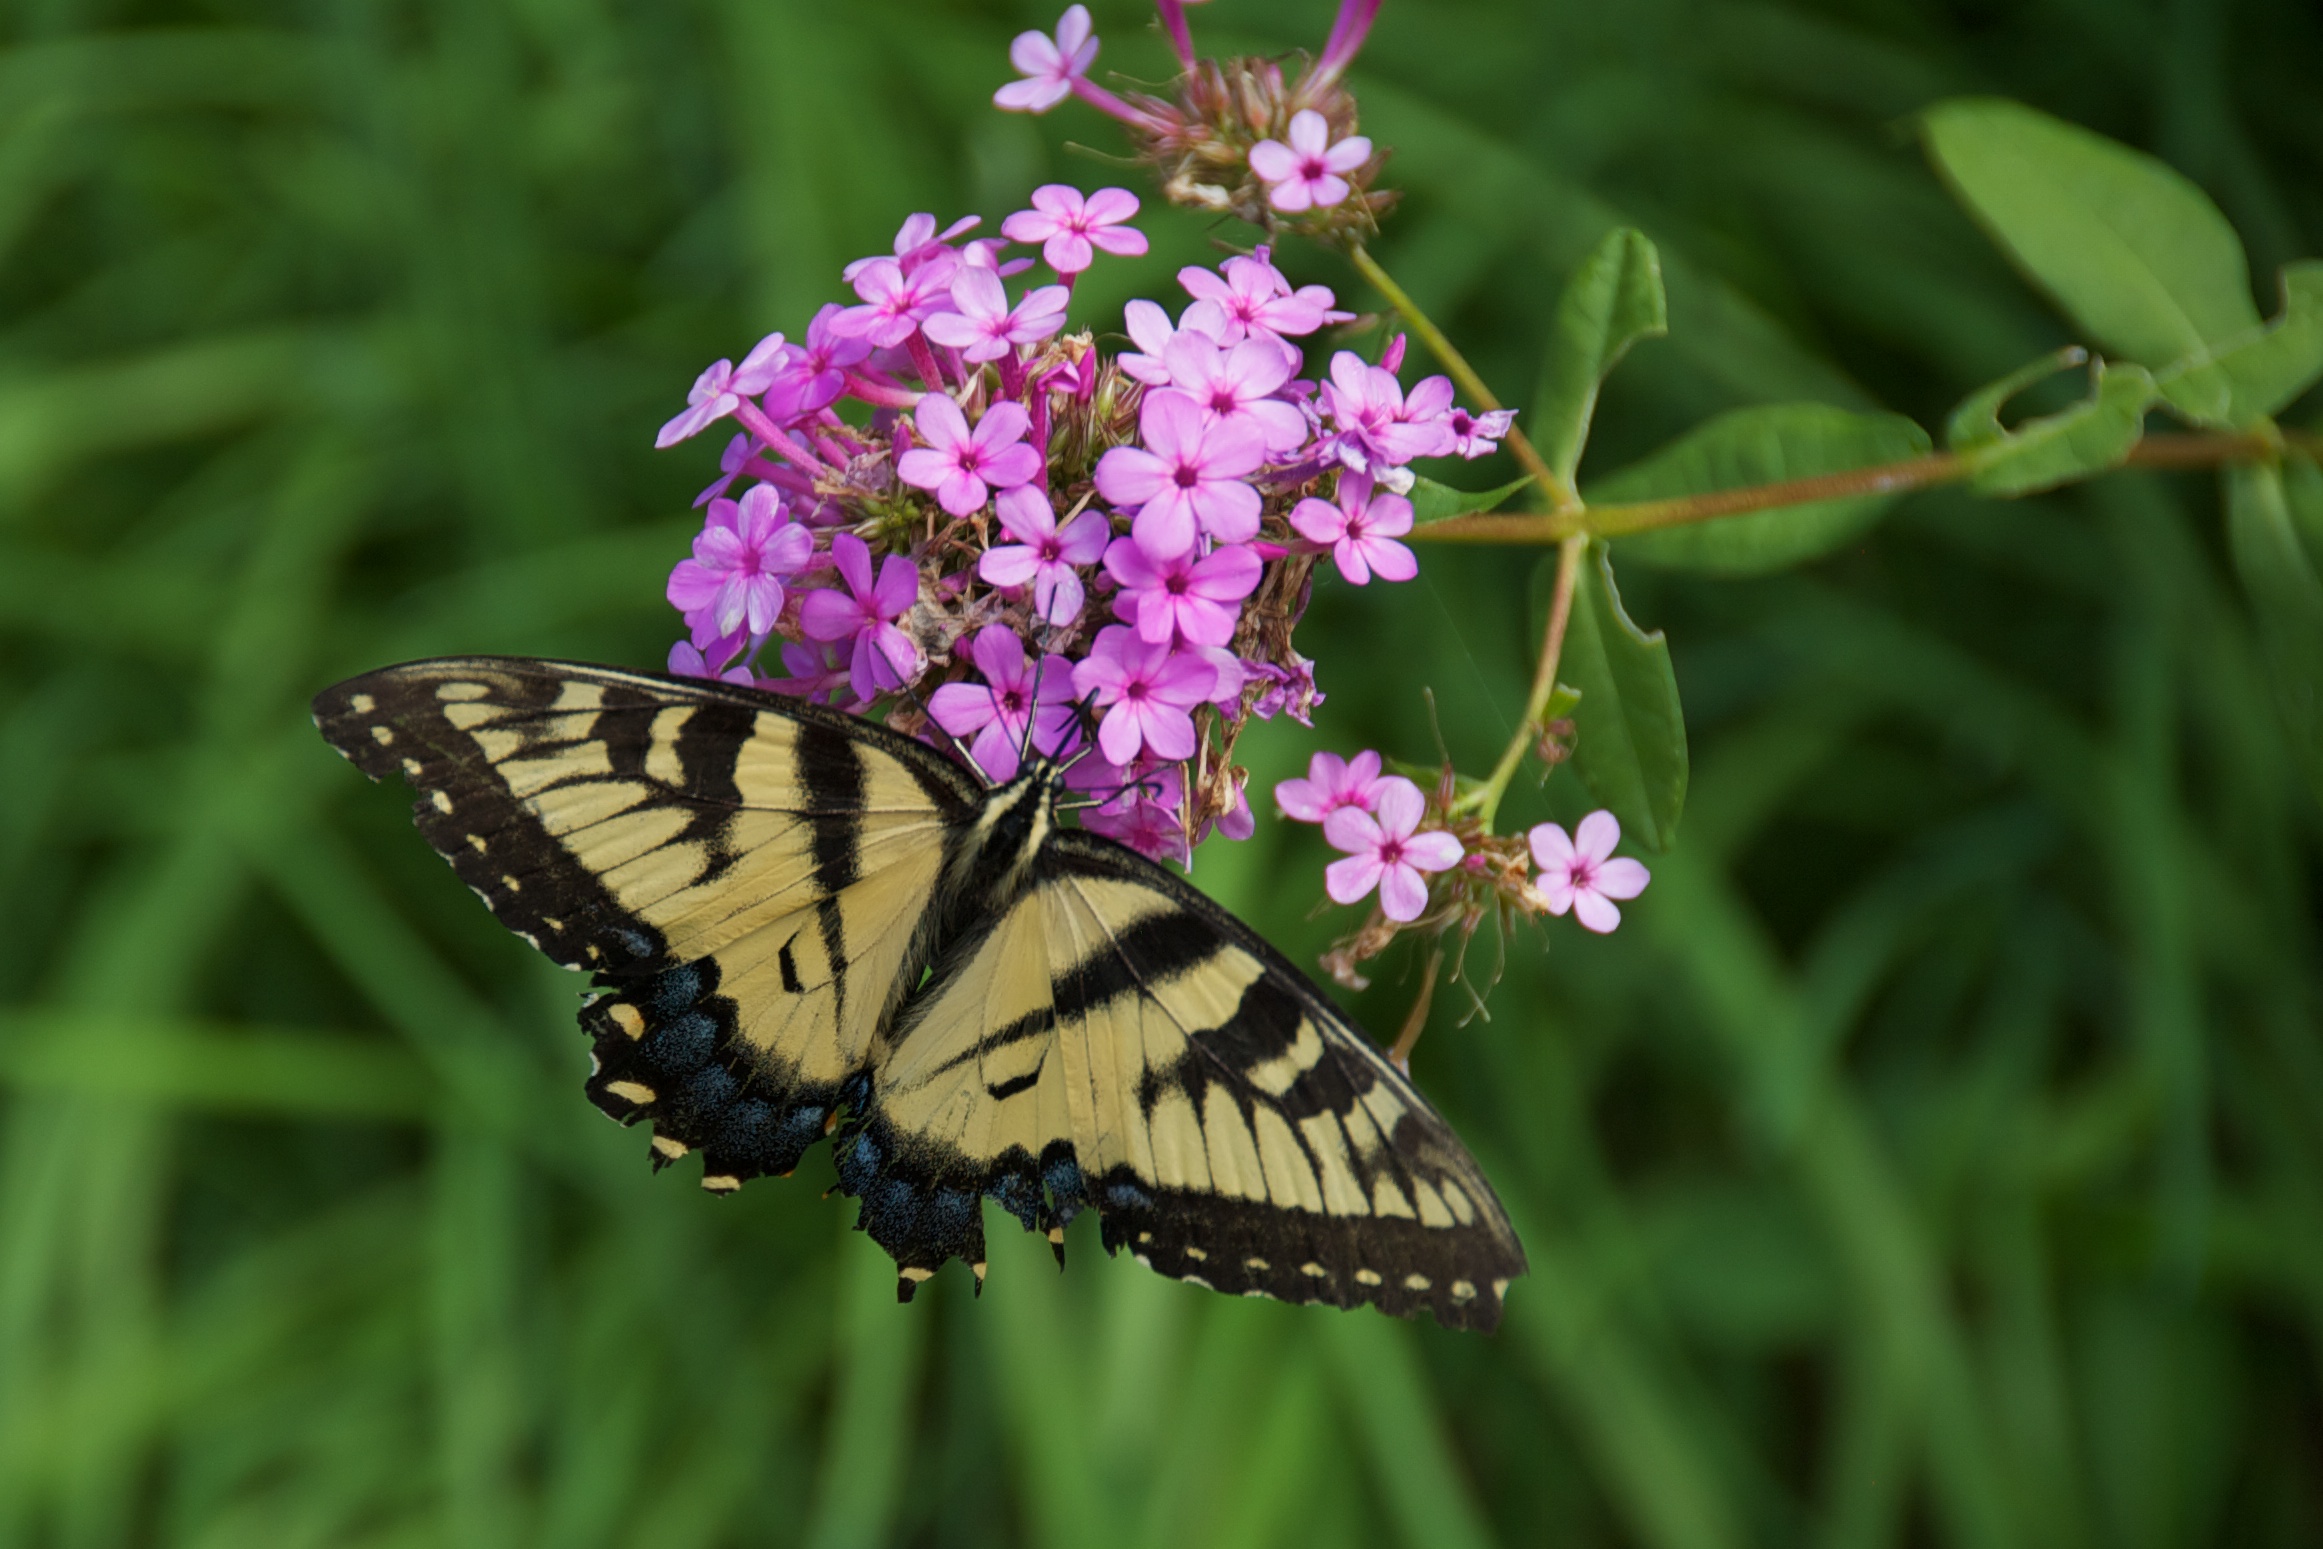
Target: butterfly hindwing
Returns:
[753, 880]
[1118, 1042]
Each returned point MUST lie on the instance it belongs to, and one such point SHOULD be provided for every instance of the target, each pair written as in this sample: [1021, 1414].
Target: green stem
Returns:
[1485, 800]
[1562, 496]
[2204, 450]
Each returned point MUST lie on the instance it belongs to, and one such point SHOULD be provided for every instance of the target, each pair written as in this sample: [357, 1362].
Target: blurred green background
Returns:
[1932, 1159]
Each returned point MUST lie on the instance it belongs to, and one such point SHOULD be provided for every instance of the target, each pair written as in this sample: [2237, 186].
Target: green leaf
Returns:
[1613, 300]
[1976, 423]
[1763, 445]
[2263, 370]
[1629, 731]
[1433, 502]
[2286, 597]
[2088, 438]
[2135, 253]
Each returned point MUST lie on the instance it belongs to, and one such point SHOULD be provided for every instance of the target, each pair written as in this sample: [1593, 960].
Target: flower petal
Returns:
[1595, 911]
[1599, 832]
[1622, 878]
[1349, 880]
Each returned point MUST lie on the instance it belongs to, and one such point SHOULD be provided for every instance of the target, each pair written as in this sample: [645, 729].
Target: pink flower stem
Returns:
[1173, 16]
[925, 359]
[955, 366]
[880, 391]
[1011, 375]
[833, 453]
[755, 421]
[1105, 102]
[1038, 435]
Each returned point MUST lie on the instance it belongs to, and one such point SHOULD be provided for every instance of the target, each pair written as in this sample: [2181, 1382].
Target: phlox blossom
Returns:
[1049, 65]
[1375, 425]
[719, 391]
[1187, 479]
[896, 303]
[1331, 782]
[818, 673]
[883, 656]
[1581, 873]
[994, 711]
[816, 371]
[741, 556]
[1149, 328]
[1238, 384]
[1249, 294]
[1071, 229]
[984, 326]
[914, 240]
[963, 466]
[1140, 808]
[1478, 435]
[1193, 598]
[1361, 527]
[1148, 693]
[1309, 173]
[1044, 554]
[686, 660]
[1386, 851]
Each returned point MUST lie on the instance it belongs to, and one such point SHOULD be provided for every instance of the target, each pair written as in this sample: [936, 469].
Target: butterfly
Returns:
[804, 924]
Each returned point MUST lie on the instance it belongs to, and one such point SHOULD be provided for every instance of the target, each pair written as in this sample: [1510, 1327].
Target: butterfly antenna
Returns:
[913, 694]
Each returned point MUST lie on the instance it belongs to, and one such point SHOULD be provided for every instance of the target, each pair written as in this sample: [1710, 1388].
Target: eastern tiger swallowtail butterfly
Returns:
[805, 924]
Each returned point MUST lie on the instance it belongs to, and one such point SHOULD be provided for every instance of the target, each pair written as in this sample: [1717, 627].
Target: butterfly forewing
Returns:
[796, 921]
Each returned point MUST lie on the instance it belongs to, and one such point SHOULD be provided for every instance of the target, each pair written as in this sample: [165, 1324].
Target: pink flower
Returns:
[1238, 384]
[984, 327]
[1307, 173]
[1148, 693]
[1579, 874]
[1386, 853]
[1070, 229]
[720, 390]
[1143, 811]
[1332, 782]
[1187, 479]
[1367, 405]
[995, 710]
[1249, 294]
[1478, 435]
[817, 673]
[959, 464]
[1195, 599]
[1044, 554]
[688, 661]
[1361, 529]
[884, 656]
[895, 303]
[1149, 329]
[734, 581]
[1049, 66]
[916, 240]
[816, 373]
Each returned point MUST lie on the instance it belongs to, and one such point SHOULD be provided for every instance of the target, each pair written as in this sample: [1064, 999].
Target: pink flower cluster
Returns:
[1394, 841]
[974, 524]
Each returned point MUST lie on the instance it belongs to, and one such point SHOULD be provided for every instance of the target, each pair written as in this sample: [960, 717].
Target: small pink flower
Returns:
[1148, 327]
[1238, 384]
[1148, 693]
[817, 673]
[1049, 66]
[688, 661]
[1361, 529]
[1478, 435]
[1142, 810]
[916, 240]
[895, 303]
[964, 466]
[720, 390]
[1251, 295]
[1071, 229]
[1307, 174]
[994, 711]
[1044, 554]
[1386, 852]
[734, 581]
[730, 464]
[985, 327]
[1195, 599]
[1580, 873]
[1376, 426]
[1188, 477]
[884, 657]
[1332, 782]
[816, 373]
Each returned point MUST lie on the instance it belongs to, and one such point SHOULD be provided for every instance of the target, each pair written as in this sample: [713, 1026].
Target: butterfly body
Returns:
[803, 925]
